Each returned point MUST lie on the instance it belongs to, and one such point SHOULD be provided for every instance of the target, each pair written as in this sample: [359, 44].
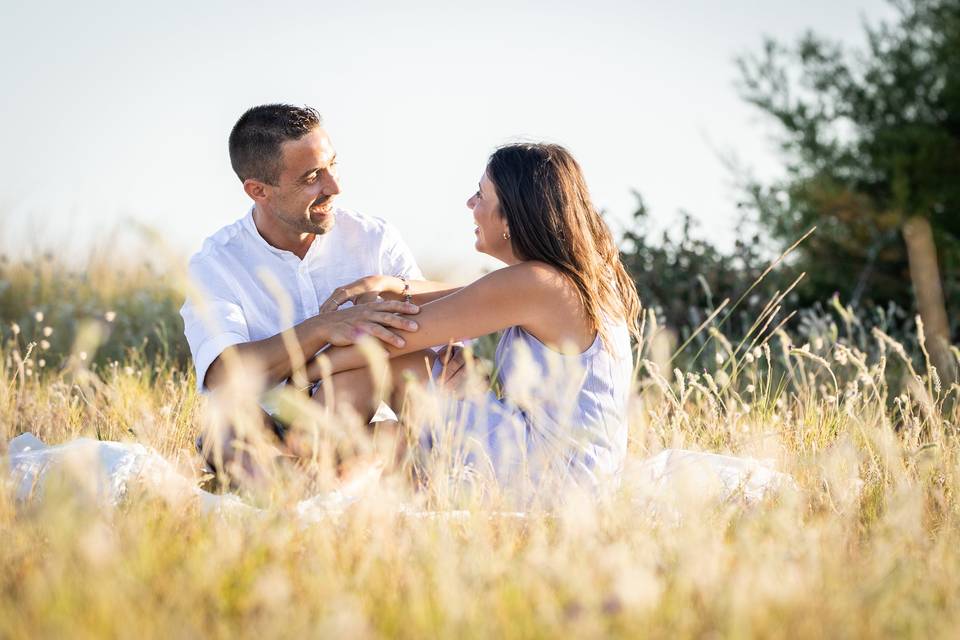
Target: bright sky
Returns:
[113, 112]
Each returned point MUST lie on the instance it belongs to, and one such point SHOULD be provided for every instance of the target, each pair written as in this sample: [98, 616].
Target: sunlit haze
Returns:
[120, 112]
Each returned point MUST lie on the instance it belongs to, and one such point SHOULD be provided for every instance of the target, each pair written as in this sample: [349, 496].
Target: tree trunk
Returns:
[925, 275]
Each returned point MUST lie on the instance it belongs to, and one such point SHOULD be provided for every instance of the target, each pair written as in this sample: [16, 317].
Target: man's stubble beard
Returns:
[320, 228]
[301, 225]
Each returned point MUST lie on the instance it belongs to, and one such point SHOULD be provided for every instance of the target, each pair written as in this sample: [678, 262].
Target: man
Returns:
[275, 267]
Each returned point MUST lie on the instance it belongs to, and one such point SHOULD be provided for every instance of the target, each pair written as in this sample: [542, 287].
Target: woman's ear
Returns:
[505, 234]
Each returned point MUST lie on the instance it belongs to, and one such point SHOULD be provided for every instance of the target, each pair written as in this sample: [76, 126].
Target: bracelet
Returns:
[406, 290]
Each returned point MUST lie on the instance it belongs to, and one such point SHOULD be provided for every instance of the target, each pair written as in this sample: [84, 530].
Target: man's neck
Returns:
[279, 235]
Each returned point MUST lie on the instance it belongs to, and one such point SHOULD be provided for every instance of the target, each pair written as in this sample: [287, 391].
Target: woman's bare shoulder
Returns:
[538, 288]
[538, 273]
[536, 276]
[555, 310]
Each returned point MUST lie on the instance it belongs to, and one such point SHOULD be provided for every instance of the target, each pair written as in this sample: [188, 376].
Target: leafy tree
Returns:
[685, 278]
[871, 140]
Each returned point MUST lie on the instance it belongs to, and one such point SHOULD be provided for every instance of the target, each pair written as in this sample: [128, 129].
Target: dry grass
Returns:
[868, 545]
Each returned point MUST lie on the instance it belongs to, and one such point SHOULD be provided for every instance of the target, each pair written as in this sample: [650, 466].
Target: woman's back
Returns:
[574, 404]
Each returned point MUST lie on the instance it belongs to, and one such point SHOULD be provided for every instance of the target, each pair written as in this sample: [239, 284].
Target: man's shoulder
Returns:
[353, 221]
[224, 241]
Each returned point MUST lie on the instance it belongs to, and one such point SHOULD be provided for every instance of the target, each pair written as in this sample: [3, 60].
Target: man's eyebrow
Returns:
[316, 169]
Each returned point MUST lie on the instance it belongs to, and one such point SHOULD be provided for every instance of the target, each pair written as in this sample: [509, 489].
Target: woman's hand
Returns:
[365, 289]
[461, 374]
[453, 366]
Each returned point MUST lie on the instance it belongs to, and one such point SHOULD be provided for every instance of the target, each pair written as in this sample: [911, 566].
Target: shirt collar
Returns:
[251, 226]
[260, 241]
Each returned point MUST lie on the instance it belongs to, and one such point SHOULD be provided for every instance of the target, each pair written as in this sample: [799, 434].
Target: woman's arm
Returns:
[423, 291]
[389, 287]
[529, 294]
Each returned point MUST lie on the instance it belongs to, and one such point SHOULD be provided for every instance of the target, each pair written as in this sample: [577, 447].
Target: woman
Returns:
[567, 306]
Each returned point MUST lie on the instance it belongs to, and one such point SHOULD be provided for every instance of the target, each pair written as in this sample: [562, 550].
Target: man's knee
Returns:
[223, 445]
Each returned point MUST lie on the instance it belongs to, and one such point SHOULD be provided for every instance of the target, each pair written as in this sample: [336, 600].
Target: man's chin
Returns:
[322, 220]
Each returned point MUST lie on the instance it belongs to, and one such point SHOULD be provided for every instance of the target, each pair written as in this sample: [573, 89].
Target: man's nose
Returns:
[331, 186]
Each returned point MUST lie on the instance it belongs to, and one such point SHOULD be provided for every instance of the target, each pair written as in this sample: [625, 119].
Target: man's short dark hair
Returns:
[256, 138]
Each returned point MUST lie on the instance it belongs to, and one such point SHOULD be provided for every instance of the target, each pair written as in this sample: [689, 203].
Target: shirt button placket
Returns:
[309, 304]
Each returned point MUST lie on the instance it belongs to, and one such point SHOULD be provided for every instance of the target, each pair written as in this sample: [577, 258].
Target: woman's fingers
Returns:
[452, 356]
[452, 376]
[365, 298]
[337, 298]
[453, 364]
[342, 295]
[329, 305]
[366, 286]
[454, 369]
[453, 379]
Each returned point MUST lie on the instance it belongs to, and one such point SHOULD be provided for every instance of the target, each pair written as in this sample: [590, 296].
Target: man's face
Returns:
[303, 197]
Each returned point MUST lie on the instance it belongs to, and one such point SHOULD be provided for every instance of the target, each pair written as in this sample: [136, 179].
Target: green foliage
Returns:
[869, 138]
[108, 309]
[683, 278]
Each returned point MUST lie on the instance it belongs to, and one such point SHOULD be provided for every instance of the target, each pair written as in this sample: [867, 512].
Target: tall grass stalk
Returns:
[868, 544]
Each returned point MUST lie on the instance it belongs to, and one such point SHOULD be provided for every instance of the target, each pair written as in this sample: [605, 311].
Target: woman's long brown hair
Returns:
[545, 200]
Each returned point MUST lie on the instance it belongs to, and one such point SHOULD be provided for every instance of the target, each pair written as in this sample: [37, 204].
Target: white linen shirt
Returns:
[243, 289]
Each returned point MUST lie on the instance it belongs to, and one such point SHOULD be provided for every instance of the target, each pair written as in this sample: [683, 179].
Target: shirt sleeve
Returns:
[396, 259]
[212, 318]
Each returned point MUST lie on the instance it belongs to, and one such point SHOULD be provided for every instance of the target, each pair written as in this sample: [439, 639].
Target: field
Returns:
[867, 546]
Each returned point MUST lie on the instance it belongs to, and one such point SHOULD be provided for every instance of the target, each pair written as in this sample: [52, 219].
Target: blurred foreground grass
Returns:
[868, 546]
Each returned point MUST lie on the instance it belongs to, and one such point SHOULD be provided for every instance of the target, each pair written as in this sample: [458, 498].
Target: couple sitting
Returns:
[564, 301]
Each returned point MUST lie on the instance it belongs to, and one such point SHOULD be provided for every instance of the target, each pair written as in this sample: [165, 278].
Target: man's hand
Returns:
[271, 358]
[345, 326]
[360, 291]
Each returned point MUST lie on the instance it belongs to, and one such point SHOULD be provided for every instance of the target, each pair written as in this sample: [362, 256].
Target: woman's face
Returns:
[491, 224]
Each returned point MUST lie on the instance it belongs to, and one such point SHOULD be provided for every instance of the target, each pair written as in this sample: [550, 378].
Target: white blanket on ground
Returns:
[105, 471]
[725, 477]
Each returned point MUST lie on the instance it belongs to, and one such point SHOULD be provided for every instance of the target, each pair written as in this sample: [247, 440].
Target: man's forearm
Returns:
[338, 359]
[271, 357]
[274, 358]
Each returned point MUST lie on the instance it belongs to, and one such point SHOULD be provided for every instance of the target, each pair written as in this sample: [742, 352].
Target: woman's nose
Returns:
[470, 201]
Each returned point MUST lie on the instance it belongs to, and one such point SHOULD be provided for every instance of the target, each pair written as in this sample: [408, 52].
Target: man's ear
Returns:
[255, 189]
